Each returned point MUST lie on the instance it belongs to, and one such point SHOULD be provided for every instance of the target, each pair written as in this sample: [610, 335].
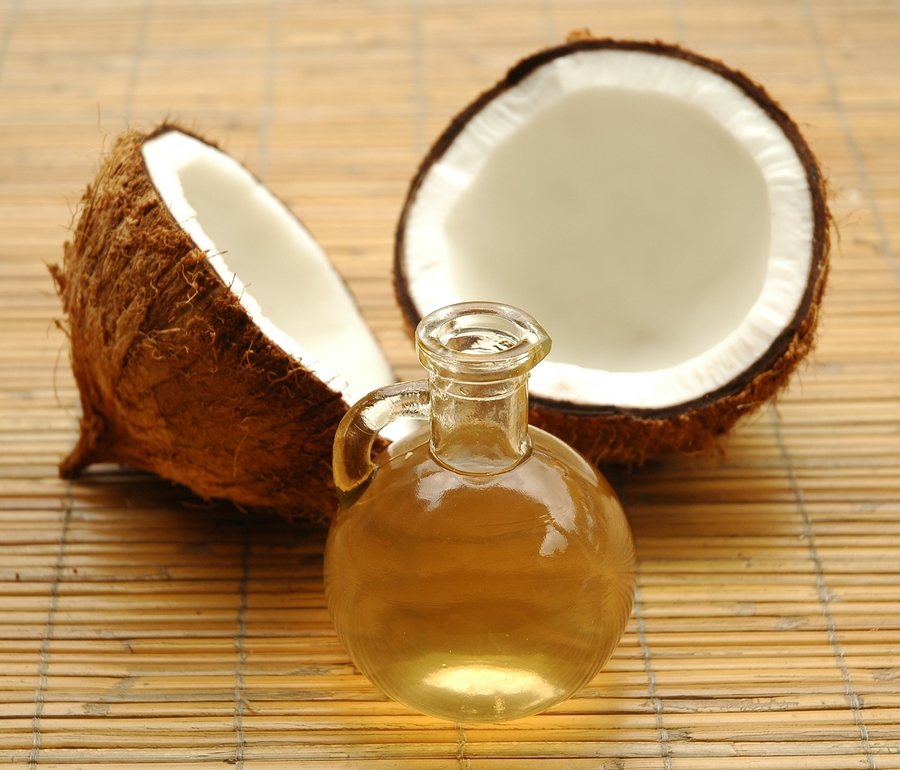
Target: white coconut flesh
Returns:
[653, 218]
[283, 277]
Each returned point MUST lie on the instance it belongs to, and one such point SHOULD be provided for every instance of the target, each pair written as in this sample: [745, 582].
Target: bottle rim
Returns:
[480, 341]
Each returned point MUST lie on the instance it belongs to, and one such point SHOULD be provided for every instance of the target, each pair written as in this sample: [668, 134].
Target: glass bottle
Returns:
[480, 569]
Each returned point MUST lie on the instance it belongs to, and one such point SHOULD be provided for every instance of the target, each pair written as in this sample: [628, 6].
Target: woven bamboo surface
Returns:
[140, 627]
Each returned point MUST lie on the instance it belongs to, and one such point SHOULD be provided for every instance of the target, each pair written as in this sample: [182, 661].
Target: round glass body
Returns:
[480, 597]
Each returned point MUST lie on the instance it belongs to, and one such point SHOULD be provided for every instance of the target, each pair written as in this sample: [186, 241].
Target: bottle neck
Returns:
[479, 428]
[479, 355]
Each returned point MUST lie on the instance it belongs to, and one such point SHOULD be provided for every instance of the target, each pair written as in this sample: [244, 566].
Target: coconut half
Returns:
[659, 214]
[212, 340]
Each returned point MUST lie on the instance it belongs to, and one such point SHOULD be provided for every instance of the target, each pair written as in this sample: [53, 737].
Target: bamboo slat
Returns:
[142, 627]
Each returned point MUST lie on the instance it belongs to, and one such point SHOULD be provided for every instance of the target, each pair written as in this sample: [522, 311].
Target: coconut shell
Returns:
[174, 376]
[611, 434]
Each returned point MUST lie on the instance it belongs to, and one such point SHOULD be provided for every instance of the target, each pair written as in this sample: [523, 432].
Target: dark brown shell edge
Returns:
[609, 434]
[174, 377]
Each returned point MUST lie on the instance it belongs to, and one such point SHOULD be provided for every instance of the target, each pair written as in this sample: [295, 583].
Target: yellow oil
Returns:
[481, 598]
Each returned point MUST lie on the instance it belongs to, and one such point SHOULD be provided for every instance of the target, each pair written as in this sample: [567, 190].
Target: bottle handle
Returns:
[352, 458]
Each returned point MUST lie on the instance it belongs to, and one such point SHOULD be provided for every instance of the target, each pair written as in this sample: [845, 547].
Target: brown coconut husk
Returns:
[174, 376]
[610, 434]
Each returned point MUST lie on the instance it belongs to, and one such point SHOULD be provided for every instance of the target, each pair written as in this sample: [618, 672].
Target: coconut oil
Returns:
[478, 573]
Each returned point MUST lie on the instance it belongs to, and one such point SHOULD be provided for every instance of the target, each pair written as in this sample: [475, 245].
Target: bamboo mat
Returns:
[139, 626]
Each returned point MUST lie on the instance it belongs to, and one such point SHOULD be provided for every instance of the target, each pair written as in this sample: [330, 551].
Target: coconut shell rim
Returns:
[822, 219]
[167, 127]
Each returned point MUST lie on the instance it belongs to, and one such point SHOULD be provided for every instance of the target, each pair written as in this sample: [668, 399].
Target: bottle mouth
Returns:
[480, 341]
